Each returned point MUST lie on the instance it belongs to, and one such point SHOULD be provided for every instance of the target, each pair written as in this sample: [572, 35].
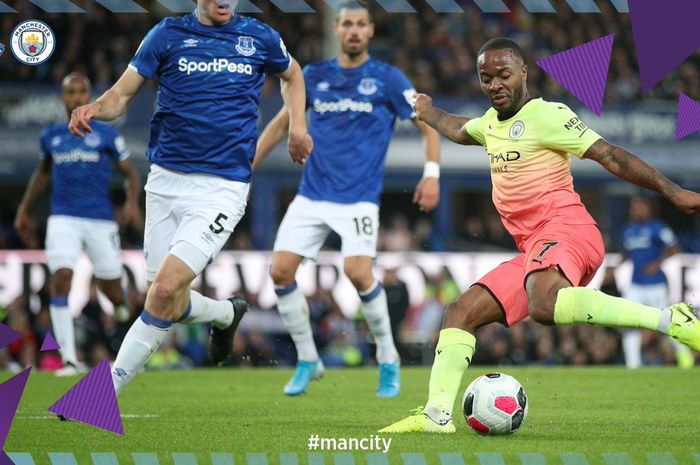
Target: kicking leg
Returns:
[475, 308]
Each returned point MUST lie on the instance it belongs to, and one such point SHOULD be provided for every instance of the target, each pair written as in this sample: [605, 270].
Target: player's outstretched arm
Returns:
[294, 96]
[629, 167]
[274, 132]
[132, 187]
[427, 194]
[447, 124]
[109, 106]
[40, 180]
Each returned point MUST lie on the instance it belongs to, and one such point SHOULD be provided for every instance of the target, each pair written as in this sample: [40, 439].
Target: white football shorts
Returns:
[66, 236]
[307, 223]
[653, 295]
[190, 215]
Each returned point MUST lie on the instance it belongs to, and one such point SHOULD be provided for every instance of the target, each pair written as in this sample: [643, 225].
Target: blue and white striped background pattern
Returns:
[300, 6]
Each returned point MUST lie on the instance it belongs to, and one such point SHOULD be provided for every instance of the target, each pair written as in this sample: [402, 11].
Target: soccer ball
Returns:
[495, 403]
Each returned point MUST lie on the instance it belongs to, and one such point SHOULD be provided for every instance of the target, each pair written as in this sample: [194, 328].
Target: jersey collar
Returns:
[230, 26]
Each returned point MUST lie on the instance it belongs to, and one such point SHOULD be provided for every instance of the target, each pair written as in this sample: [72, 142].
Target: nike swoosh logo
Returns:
[688, 318]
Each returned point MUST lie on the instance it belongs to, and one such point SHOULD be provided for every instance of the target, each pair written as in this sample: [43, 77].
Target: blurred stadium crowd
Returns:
[438, 54]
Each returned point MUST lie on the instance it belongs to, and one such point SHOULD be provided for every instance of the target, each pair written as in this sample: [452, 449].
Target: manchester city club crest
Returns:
[32, 42]
[368, 86]
[245, 46]
[517, 129]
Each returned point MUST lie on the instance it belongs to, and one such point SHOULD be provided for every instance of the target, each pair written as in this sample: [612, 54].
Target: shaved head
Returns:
[66, 83]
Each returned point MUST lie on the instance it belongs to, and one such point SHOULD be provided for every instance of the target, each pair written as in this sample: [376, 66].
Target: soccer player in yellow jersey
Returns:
[529, 142]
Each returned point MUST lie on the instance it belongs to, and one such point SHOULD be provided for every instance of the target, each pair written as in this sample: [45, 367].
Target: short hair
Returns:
[76, 75]
[502, 43]
[354, 5]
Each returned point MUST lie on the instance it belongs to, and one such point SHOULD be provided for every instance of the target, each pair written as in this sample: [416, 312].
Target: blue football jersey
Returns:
[352, 116]
[646, 243]
[81, 169]
[209, 83]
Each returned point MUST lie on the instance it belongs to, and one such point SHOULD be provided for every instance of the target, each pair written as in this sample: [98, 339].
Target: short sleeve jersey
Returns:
[645, 243]
[529, 156]
[81, 169]
[209, 83]
[352, 113]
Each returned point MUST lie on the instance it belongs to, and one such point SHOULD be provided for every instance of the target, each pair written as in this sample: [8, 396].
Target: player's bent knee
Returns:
[460, 316]
[61, 281]
[360, 277]
[64, 275]
[541, 312]
[163, 290]
[281, 276]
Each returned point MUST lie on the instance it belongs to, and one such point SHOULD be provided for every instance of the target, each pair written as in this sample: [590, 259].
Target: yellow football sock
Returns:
[582, 305]
[453, 355]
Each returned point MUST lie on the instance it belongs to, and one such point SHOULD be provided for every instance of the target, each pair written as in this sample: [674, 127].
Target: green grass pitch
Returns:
[646, 414]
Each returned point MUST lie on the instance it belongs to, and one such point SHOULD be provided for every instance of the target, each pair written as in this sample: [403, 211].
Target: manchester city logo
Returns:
[368, 86]
[517, 129]
[245, 46]
[32, 42]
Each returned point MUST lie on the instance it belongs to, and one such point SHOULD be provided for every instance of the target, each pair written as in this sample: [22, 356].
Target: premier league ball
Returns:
[495, 403]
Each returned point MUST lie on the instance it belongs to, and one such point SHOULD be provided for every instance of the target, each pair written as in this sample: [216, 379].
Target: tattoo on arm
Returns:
[629, 167]
[450, 126]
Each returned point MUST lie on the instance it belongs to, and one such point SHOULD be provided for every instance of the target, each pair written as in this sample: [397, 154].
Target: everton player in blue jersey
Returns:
[647, 242]
[353, 103]
[210, 66]
[79, 171]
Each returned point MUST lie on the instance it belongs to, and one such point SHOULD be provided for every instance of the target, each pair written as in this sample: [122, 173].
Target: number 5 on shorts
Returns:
[216, 227]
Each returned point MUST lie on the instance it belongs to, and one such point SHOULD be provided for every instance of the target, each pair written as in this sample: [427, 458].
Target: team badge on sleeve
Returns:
[2, 48]
[245, 46]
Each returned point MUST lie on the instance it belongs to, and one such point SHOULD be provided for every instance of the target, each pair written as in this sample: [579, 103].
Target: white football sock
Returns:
[63, 330]
[141, 342]
[205, 310]
[632, 347]
[294, 311]
[376, 313]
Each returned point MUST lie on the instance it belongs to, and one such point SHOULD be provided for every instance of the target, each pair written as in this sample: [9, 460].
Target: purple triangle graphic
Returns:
[7, 335]
[688, 118]
[10, 393]
[49, 343]
[4, 459]
[583, 70]
[665, 34]
[92, 400]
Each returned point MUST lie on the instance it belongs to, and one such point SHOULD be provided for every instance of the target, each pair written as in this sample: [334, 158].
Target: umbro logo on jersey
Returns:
[323, 86]
[216, 65]
[190, 42]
